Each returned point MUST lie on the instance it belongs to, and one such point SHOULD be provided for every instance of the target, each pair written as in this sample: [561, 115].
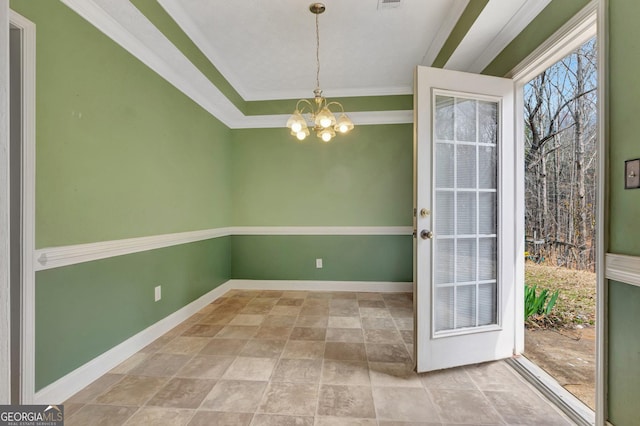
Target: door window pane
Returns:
[465, 306]
[444, 308]
[486, 304]
[466, 166]
[445, 213]
[444, 262]
[466, 213]
[488, 218]
[444, 118]
[444, 173]
[488, 122]
[466, 260]
[487, 170]
[465, 119]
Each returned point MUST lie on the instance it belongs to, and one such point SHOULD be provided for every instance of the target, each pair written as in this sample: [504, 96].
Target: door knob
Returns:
[426, 235]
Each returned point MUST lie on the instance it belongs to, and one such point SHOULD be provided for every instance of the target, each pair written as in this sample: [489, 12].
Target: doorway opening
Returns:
[561, 132]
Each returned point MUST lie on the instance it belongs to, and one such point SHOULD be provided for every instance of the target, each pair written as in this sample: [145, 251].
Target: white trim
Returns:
[602, 212]
[527, 12]
[5, 279]
[329, 92]
[622, 268]
[322, 230]
[56, 257]
[571, 406]
[359, 118]
[456, 8]
[498, 24]
[580, 28]
[128, 27]
[28, 200]
[63, 388]
[358, 286]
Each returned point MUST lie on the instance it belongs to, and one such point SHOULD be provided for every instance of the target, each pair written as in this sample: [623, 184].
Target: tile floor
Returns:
[302, 358]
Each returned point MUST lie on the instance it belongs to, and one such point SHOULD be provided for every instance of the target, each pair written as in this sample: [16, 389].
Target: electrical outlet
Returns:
[158, 293]
[318, 263]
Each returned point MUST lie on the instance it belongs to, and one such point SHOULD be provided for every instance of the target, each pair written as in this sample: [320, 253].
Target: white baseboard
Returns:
[63, 388]
[359, 286]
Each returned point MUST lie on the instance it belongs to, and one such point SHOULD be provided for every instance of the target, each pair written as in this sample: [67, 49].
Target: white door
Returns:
[465, 197]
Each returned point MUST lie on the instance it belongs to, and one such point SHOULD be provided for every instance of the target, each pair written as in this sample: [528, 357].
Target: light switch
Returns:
[632, 174]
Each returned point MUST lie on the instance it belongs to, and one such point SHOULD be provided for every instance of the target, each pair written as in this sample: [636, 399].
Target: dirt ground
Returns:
[568, 355]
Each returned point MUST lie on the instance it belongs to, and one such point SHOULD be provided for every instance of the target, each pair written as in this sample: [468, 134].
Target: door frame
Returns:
[589, 22]
[12, 20]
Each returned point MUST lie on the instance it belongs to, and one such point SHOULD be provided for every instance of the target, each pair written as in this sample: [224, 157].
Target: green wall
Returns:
[345, 257]
[86, 309]
[624, 353]
[121, 153]
[362, 179]
[624, 209]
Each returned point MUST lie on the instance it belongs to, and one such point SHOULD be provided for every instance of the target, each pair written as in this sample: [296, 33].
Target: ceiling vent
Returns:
[389, 4]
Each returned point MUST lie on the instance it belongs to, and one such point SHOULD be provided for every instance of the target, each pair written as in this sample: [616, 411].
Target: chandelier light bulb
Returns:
[296, 127]
[326, 136]
[344, 124]
[301, 136]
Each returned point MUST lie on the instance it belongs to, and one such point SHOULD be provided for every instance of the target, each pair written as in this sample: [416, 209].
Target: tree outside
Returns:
[560, 217]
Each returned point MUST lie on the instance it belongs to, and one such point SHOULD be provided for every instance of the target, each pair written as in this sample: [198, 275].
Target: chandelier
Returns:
[317, 112]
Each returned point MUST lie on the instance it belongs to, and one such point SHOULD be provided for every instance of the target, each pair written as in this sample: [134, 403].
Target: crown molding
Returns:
[359, 118]
[329, 92]
[455, 12]
[525, 15]
[128, 27]
[580, 28]
[497, 25]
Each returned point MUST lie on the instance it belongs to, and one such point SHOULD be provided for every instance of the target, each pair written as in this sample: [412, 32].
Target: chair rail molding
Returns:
[56, 257]
[623, 268]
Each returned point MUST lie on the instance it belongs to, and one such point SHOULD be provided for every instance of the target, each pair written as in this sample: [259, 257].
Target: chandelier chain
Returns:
[317, 53]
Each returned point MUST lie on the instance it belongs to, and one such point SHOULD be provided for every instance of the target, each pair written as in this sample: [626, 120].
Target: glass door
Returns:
[465, 263]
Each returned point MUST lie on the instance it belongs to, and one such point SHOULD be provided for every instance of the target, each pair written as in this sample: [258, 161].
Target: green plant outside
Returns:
[538, 304]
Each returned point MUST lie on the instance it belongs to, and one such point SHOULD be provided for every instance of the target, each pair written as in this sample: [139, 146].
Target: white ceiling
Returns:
[266, 49]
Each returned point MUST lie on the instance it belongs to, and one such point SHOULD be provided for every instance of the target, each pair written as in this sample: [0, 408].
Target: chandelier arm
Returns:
[304, 101]
[336, 103]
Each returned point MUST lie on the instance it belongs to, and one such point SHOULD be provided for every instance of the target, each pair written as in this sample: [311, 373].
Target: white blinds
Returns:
[465, 214]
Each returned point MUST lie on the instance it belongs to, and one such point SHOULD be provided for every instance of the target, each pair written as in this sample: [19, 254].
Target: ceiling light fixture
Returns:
[317, 113]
